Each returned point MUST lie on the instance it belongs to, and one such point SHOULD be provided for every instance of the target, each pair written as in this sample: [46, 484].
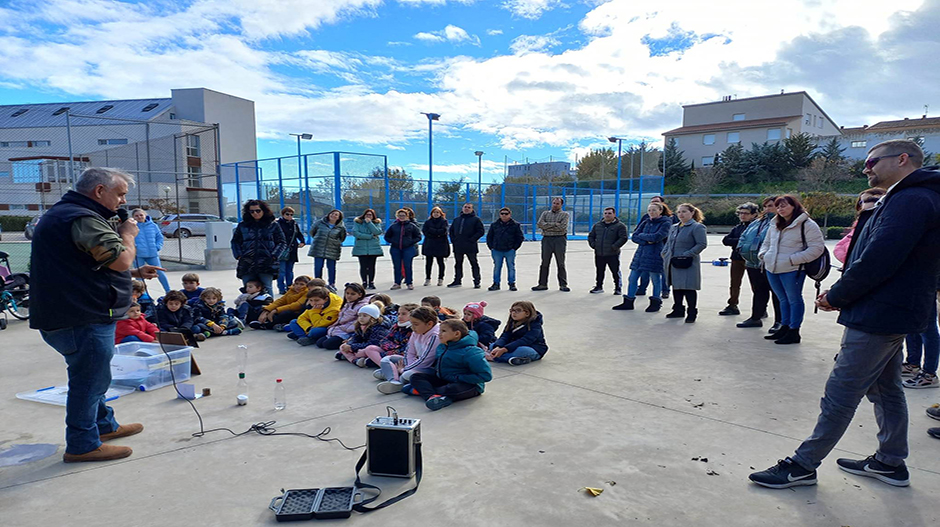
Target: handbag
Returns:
[681, 262]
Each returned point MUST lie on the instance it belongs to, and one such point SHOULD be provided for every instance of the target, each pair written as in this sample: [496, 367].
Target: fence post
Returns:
[218, 173]
[309, 212]
[280, 183]
[259, 177]
[534, 212]
[387, 195]
[238, 195]
[591, 207]
[502, 195]
[337, 183]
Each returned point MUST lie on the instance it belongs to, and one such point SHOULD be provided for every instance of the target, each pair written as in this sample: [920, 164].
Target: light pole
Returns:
[300, 169]
[479, 155]
[619, 142]
[431, 118]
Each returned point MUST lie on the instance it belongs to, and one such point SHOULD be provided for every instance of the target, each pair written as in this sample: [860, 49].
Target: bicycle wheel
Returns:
[18, 306]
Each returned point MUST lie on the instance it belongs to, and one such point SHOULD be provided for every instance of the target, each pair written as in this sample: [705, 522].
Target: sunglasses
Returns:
[870, 200]
[872, 161]
[287, 213]
[255, 211]
[504, 214]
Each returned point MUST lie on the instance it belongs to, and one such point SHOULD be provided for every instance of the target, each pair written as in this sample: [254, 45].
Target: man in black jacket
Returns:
[465, 231]
[606, 238]
[746, 213]
[884, 294]
[503, 239]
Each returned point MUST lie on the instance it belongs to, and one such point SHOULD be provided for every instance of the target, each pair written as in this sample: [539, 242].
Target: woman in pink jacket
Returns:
[866, 201]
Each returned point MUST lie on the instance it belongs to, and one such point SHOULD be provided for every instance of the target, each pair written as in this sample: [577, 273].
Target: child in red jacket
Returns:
[135, 327]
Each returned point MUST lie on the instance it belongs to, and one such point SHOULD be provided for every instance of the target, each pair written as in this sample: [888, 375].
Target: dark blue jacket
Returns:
[435, 237]
[530, 335]
[257, 245]
[486, 329]
[505, 236]
[169, 320]
[465, 231]
[371, 337]
[402, 235]
[890, 278]
[607, 238]
[203, 312]
[650, 235]
[463, 361]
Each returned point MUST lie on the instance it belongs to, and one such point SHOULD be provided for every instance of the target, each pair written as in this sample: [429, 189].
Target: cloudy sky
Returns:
[517, 78]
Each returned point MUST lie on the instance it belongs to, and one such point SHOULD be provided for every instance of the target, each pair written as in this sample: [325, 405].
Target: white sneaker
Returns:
[379, 376]
[909, 371]
[388, 387]
[922, 380]
[361, 362]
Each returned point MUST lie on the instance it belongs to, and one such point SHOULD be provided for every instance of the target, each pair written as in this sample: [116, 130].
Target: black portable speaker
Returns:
[391, 445]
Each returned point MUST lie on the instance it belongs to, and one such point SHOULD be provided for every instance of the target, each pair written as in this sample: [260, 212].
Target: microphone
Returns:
[122, 214]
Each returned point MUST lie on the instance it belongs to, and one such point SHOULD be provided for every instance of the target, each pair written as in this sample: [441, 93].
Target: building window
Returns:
[194, 207]
[105, 108]
[773, 134]
[789, 132]
[734, 137]
[4, 175]
[737, 117]
[149, 107]
[172, 115]
[192, 145]
[808, 118]
[708, 139]
[708, 160]
[859, 144]
[112, 141]
[195, 177]
[24, 144]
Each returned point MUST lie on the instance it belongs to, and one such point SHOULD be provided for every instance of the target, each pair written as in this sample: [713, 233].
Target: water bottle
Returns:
[280, 395]
[242, 358]
[242, 390]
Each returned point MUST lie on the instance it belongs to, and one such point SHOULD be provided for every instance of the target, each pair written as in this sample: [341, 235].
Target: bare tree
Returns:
[705, 179]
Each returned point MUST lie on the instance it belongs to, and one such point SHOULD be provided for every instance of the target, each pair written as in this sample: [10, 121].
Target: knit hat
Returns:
[371, 310]
[476, 308]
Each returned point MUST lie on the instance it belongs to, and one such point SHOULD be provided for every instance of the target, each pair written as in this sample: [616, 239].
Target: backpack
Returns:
[818, 269]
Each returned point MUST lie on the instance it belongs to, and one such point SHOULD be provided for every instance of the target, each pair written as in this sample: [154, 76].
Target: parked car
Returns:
[31, 227]
[185, 225]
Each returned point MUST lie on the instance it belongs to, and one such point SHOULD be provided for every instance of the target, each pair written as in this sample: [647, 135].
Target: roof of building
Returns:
[733, 125]
[923, 122]
[807, 95]
[53, 114]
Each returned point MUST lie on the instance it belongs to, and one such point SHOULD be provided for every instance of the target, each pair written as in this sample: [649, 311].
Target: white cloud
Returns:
[429, 37]
[532, 44]
[390, 146]
[493, 32]
[531, 9]
[468, 169]
[451, 33]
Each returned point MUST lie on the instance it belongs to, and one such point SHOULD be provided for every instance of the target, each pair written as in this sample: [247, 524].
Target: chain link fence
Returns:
[174, 163]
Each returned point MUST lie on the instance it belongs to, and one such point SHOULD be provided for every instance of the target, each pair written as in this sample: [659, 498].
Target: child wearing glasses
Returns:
[523, 340]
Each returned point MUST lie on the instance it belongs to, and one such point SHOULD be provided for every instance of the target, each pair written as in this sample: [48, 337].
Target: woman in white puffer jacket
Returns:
[782, 254]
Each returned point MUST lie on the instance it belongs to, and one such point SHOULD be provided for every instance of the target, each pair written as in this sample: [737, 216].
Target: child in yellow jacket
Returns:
[322, 311]
[284, 309]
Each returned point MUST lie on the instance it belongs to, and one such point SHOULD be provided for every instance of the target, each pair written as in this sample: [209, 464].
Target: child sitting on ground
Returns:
[191, 288]
[390, 312]
[419, 353]
[249, 304]
[135, 327]
[139, 295]
[174, 316]
[395, 342]
[354, 297]
[322, 311]
[523, 340]
[460, 370]
[443, 313]
[209, 316]
[371, 329]
[484, 326]
[281, 311]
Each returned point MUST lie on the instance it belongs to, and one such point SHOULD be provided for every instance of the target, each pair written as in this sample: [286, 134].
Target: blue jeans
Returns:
[264, 278]
[510, 257]
[314, 333]
[647, 276]
[130, 338]
[926, 344]
[867, 365]
[154, 260]
[789, 289]
[87, 351]
[330, 268]
[521, 351]
[645, 282]
[401, 262]
[285, 277]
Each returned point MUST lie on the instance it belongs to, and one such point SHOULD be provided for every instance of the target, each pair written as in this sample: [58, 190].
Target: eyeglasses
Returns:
[517, 310]
[287, 213]
[872, 161]
[255, 211]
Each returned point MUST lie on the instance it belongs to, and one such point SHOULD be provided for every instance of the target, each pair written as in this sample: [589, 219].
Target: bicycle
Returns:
[14, 292]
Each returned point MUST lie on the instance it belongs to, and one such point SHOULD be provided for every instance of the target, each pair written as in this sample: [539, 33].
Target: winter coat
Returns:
[168, 320]
[463, 361]
[403, 234]
[607, 238]
[673, 219]
[505, 236]
[321, 317]
[203, 313]
[841, 250]
[370, 337]
[784, 252]
[650, 237]
[149, 239]
[257, 245]
[530, 335]
[368, 238]
[289, 301]
[138, 327]
[293, 236]
[732, 238]
[435, 238]
[486, 329]
[890, 279]
[346, 321]
[326, 240]
[751, 240]
[685, 240]
[465, 231]
[422, 350]
[396, 340]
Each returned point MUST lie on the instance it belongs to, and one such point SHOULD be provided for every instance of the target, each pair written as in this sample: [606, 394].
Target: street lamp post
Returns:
[619, 142]
[300, 171]
[431, 118]
[479, 155]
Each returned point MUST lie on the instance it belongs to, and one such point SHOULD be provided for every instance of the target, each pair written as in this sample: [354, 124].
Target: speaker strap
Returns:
[361, 506]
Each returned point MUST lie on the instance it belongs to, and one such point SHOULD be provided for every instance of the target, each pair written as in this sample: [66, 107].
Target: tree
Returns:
[705, 180]
[766, 162]
[826, 203]
[832, 152]
[800, 150]
[730, 164]
[928, 156]
[676, 167]
[165, 206]
[597, 165]
[822, 175]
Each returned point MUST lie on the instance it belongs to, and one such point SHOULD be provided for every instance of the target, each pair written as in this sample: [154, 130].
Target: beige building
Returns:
[709, 128]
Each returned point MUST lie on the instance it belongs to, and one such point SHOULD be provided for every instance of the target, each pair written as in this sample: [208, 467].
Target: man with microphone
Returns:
[80, 286]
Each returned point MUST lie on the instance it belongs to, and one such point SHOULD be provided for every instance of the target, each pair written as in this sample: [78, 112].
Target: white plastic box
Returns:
[144, 366]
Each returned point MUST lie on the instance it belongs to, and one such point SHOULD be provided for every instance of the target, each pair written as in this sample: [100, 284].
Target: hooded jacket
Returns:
[463, 361]
[368, 238]
[485, 328]
[169, 320]
[326, 240]
[607, 238]
[435, 237]
[505, 236]
[149, 239]
[203, 313]
[257, 245]
[321, 317]
[751, 240]
[289, 301]
[373, 336]
[465, 231]
[784, 252]
[292, 236]
[530, 335]
[422, 350]
[396, 340]
[137, 327]
[346, 319]
[890, 278]
[403, 234]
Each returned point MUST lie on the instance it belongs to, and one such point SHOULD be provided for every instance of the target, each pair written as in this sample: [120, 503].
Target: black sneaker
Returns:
[519, 361]
[730, 310]
[934, 412]
[512, 287]
[785, 474]
[618, 292]
[597, 289]
[476, 285]
[934, 432]
[292, 336]
[540, 287]
[750, 323]
[872, 468]
[339, 356]
[564, 289]
[254, 324]
[454, 284]
[494, 287]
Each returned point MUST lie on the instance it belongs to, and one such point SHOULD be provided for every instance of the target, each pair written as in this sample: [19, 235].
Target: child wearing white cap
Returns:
[371, 328]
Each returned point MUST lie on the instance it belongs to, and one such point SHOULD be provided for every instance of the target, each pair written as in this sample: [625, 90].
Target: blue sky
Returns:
[534, 79]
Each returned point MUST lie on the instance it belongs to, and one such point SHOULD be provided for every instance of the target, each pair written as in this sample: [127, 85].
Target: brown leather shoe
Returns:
[123, 431]
[102, 453]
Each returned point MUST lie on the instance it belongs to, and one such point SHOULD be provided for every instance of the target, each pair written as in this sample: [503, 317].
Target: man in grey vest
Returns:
[554, 225]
